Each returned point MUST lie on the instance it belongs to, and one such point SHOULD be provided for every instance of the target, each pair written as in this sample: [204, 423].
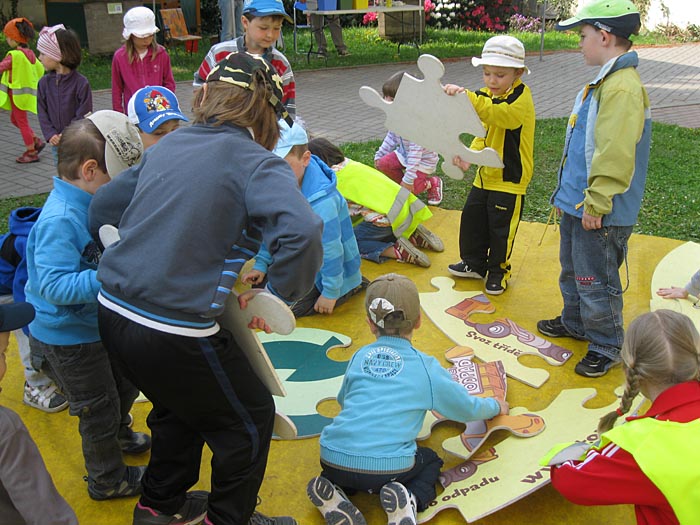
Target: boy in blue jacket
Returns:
[339, 277]
[371, 445]
[62, 286]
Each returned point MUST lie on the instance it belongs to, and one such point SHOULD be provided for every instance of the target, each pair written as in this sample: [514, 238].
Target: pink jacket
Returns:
[129, 78]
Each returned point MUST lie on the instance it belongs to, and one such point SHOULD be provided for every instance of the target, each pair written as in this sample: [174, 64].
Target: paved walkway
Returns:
[328, 101]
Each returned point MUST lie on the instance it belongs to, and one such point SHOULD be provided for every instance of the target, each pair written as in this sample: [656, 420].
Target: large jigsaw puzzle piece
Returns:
[308, 375]
[423, 113]
[676, 269]
[501, 340]
[517, 473]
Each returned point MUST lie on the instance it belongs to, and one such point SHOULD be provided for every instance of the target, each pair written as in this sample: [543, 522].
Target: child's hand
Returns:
[452, 89]
[55, 140]
[253, 277]
[256, 323]
[408, 186]
[324, 305]
[505, 407]
[461, 164]
[672, 293]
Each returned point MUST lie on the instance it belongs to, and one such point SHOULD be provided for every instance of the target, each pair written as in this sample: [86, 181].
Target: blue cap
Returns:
[289, 137]
[265, 8]
[14, 316]
[149, 107]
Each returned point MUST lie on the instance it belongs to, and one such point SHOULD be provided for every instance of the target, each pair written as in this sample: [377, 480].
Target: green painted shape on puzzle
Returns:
[310, 425]
[517, 472]
[309, 359]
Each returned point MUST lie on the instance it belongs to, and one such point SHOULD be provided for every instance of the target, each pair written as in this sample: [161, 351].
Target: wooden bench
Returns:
[175, 29]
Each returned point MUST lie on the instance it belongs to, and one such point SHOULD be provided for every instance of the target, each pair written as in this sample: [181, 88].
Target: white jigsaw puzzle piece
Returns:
[423, 113]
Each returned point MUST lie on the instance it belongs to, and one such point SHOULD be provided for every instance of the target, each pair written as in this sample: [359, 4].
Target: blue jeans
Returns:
[372, 240]
[99, 395]
[420, 480]
[590, 283]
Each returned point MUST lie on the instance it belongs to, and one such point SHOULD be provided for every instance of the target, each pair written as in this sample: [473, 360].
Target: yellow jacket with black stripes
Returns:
[509, 120]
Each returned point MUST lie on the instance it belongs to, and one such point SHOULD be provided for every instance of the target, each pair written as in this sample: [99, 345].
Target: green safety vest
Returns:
[372, 189]
[25, 79]
[669, 455]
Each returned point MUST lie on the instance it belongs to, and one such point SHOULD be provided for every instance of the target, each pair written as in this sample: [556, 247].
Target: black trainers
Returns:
[398, 504]
[555, 328]
[261, 519]
[495, 285]
[594, 365]
[461, 269]
[134, 442]
[130, 485]
[192, 512]
[332, 503]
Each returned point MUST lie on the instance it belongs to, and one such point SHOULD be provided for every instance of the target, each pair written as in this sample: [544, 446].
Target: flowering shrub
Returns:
[526, 24]
[477, 15]
[371, 18]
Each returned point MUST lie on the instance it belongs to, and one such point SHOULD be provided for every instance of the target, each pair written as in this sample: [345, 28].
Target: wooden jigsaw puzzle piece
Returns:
[468, 468]
[423, 113]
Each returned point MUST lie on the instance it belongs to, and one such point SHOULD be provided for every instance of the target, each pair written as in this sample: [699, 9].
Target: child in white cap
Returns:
[141, 61]
[491, 215]
[388, 386]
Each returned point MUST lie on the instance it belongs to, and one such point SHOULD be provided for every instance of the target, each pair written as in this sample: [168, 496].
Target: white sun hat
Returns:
[503, 51]
[140, 22]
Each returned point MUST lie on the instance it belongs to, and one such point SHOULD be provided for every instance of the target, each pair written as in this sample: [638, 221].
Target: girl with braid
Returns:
[652, 460]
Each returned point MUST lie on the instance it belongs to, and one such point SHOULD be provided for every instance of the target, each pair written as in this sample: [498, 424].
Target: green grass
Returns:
[671, 206]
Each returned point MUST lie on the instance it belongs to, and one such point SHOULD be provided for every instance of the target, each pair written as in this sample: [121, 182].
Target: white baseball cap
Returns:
[140, 22]
[123, 147]
[502, 51]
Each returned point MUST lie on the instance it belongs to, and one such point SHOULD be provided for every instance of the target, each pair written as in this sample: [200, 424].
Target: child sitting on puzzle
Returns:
[494, 206]
[411, 383]
[651, 460]
[387, 219]
[339, 277]
[406, 162]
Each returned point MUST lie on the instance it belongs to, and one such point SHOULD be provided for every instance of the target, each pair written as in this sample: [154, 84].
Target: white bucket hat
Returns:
[503, 51]
[140, 22]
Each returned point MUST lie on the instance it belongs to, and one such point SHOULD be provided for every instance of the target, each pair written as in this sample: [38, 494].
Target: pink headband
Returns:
[48, 43]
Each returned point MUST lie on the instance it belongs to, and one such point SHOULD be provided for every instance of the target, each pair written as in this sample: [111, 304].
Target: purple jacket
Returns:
[127, 78]
[61, 99]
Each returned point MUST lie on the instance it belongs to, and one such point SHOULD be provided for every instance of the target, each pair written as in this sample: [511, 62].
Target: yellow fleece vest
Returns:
[25, 79]
[368, 187]
[668, 453]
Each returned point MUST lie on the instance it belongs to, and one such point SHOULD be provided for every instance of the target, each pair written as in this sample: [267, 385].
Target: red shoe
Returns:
[39, 145]
[28, 156]
[435, 191]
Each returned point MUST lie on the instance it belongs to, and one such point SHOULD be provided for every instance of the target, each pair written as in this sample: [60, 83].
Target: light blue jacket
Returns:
[604, 167]
[340, 271]
[62, 261]
[387, 389]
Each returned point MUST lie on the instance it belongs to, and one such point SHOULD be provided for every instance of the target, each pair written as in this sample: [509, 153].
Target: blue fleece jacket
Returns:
[340, 271]
[387, 389]
[62, 261]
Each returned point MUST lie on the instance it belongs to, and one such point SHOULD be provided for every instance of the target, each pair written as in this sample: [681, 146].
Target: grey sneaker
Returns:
[332, 503]
[261, 519]
[407, 253]
[47, 398]
[130, 485]
[192, 512]
[594, 365]
[424, 238]
[398, 504]
[134, 442]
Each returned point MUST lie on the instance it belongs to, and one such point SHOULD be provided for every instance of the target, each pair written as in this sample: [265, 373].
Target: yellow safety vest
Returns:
[25, 79]
[369, 187]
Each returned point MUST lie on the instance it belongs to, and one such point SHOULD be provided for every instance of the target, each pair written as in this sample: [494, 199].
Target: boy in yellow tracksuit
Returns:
[492, 213]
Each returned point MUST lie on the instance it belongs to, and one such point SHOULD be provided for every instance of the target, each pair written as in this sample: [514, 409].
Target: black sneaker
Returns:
[134, 442]
[130, 485]
[192, 512]
[554, 328]
[594, 365]
[461, 269]
[261, 519]
[495, 285]
[332, 503]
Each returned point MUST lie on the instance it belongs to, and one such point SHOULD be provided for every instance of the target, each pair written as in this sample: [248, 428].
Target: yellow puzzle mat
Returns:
[532, 294]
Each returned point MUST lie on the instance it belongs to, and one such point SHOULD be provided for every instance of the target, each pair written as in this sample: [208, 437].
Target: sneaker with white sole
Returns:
[192, 512]
[407, 253]
[462, 269]
[435, 191]
[594, 365]
[423, 238]
[47, 398]
[332, 503]
[398, 504]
